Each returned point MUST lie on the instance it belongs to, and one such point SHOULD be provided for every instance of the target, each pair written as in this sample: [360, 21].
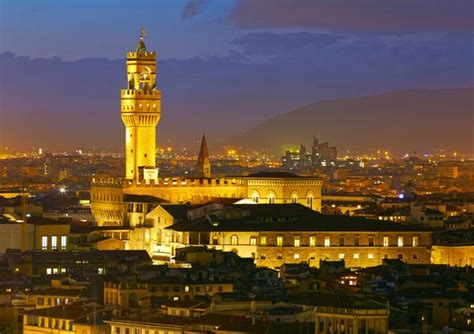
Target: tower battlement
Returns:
[102, 181]
[185, 182]
[151, 55]
[133, 93]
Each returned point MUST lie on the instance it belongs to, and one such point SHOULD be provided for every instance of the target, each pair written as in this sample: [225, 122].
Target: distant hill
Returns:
[388, 121]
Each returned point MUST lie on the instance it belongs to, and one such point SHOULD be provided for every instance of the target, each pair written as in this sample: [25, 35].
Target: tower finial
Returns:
[141, 45]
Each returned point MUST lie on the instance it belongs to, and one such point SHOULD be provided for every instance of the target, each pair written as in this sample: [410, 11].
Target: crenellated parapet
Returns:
[133, 93]
[142, 55]
[186, 182]
[107, 181]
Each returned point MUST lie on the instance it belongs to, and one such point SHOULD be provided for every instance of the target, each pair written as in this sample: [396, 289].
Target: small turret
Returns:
[204, 163]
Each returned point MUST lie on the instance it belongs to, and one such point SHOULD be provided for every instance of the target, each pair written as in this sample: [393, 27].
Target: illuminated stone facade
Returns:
[140, 109]
[453, 255]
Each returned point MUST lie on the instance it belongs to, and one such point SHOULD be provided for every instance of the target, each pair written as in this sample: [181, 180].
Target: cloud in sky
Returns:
[270, 43]
[365, 15]
[193, 8]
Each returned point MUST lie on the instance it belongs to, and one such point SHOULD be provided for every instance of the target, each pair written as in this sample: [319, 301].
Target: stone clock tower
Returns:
[140, 109]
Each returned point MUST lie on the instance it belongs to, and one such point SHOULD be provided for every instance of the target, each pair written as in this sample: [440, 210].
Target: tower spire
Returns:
[204, 163]
[141, 44]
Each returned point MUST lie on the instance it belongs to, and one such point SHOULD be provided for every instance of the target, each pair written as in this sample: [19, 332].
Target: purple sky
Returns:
[225, 65]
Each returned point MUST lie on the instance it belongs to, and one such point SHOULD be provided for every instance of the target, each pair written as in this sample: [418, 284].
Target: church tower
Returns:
[204, 163]
[140, 110]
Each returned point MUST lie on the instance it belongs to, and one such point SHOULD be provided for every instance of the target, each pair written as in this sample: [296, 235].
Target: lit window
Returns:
[63, 270]
[415, 242]
[297, 256]
[309, 201]
[312, 241]
[341, 256]
[44, 242]
[263, 241]
[253, 241]
[147, 236]
[280, 241]
[327, 241]
[54, 242]
[385, 241]
[186, 288]
[49, 271]
[400, 241]
[271, 198]
[255, 197]
[297, 242]
[63, 242]
[356, 255]
[370, 256]
[234, 240]
[294, 199]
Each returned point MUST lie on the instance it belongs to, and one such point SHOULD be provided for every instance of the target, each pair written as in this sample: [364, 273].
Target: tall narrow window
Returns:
[234, 240]
[341, 241]
[415, 241]
[253, 241]
[312, 241]
[54, 242]
[386, 241]
[63, 242]
[327, 241]
[297, 241]
[309, 201]
[400, 241]
[356, 241]
[44, 242]
[371, 241]
[279, 241]
[263, 241]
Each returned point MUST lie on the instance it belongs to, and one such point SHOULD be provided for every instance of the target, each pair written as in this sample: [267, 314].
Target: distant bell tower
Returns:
[204, 163]
[140, 105]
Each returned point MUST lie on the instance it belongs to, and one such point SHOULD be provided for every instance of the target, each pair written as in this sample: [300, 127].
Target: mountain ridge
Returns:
[375, 115]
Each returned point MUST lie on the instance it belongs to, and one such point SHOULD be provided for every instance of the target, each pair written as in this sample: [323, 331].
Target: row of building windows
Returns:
[234, 240]
[127, 330]
[341, 256]
[36, 321]
[45, 244]
[294, 199]
[55, 270]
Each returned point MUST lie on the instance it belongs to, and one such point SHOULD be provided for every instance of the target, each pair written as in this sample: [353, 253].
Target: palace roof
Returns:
[293, 218]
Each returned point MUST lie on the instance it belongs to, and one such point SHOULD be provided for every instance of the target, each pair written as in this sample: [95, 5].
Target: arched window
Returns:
[215, 240]
[234, 240]
[294, 198]
[271, 198]
[255, 196]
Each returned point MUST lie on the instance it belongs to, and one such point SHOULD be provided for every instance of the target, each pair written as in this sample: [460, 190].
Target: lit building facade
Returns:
[140, 110]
